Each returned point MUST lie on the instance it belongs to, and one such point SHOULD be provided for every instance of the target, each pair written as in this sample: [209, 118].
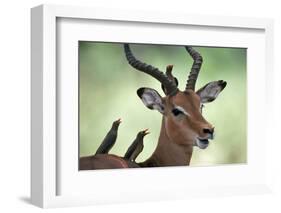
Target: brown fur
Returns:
[104, 161]
[178, 135]
[185, 129]
[176, 140]
[179, 132]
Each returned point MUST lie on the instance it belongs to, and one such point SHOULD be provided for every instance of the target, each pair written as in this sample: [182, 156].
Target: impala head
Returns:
[182, 110]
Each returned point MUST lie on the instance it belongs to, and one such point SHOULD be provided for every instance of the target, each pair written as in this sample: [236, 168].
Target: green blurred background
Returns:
[108, 91]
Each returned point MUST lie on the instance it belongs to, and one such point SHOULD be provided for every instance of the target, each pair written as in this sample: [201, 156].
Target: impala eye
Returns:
[176, 112]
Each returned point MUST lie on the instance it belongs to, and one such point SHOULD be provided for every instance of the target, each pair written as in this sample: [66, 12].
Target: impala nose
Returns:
[209, 131]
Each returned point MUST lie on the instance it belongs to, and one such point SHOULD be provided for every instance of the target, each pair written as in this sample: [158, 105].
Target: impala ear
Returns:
[151, 99]
[210, 91]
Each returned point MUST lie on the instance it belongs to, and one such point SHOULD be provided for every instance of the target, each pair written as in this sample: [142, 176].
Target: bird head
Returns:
[143, 133]
[116, 123]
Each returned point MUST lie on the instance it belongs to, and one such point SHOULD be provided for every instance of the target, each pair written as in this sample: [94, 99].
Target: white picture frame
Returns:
[46, 154]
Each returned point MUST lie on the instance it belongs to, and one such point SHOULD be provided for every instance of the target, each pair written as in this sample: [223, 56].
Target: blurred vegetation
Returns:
[108, 91]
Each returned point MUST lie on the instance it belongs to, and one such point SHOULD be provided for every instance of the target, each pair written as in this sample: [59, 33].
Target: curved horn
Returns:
[170, 86]
[198, 60]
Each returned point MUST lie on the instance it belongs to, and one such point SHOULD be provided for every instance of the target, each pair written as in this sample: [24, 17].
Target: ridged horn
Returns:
[169, 85]
[193, 75]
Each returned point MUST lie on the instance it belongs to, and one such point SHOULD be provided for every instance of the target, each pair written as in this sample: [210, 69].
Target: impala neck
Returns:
[168, 153]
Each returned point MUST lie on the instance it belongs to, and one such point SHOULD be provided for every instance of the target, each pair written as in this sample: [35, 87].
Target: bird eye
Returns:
[176, 112]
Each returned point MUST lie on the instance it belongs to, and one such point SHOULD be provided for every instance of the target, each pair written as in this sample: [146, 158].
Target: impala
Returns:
[183, 125]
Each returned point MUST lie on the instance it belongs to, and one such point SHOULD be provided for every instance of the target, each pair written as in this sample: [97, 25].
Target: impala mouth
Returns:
[202, 143]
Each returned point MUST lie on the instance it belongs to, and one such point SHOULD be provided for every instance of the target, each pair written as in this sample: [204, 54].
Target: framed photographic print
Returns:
[130, 106]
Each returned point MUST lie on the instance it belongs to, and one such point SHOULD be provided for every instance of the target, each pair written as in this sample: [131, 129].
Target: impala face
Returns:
[182, 110]
[184, 122]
